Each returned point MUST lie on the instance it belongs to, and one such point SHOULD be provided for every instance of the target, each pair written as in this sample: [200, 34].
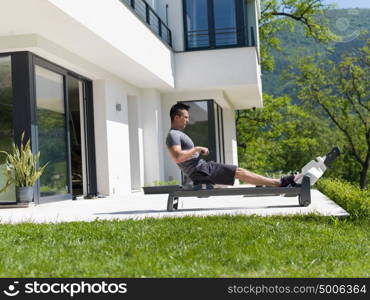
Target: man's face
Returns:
[183, 119]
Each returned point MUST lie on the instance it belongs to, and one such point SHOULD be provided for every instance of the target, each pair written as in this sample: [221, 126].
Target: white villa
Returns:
[91, 83]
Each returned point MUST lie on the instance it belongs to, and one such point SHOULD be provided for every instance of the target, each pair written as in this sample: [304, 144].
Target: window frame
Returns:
[240, 27]
[215, 119]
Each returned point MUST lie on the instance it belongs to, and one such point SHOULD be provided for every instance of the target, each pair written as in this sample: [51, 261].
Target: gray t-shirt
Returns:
[178, 138]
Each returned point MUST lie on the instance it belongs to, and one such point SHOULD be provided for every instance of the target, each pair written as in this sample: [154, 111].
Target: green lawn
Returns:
[238, 246]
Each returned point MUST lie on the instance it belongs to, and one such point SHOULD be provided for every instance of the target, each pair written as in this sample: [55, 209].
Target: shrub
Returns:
[21, 165]
[159, 183]
[354, 200]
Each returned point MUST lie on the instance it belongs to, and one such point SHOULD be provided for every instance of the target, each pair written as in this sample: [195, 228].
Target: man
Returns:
[187, 157]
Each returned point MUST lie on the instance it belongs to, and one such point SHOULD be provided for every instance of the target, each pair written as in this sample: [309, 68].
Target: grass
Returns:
[237, 246]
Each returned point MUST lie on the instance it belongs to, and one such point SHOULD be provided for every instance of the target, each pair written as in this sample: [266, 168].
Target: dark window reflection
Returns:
[215, 23]
[225, 22]
[197, 129]
[75, 102]
[201, 128]
[6, 122]
[51, 132]
[197, 23]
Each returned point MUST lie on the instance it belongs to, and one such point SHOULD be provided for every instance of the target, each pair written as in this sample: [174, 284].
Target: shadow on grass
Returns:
[132, 212]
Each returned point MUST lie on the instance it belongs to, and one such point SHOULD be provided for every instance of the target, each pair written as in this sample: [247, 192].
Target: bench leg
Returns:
[172, 203]
[304, 197]
[176, 203]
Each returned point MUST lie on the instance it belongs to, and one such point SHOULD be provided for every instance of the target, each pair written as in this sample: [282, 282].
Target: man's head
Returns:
[179, 115]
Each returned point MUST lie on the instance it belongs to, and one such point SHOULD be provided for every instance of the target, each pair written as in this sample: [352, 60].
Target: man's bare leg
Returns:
[253, 178]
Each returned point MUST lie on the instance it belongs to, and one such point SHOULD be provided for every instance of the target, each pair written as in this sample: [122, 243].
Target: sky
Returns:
[350, 3]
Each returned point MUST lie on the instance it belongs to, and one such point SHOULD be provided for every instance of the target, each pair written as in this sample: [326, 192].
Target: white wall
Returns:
[252, 17]
[136, 153]
[101, 142]
[215, 69]
[231, 150]
[112, 137]
[153, 140]
[175, 20]
[171, 170]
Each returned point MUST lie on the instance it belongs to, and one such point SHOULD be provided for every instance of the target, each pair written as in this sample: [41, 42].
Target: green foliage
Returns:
[280, 137]
[52, 139]
[198, 132]
[354, 200]
[277, 16]
[341, 93]
[296, 45]
[339, 77]
[171, 182]
[21, 166]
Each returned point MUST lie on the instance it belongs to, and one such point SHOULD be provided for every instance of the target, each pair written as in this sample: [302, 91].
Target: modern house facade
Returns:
[91, 82]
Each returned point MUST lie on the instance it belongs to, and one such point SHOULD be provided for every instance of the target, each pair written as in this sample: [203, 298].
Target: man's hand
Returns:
[180, 156]
[202, 150]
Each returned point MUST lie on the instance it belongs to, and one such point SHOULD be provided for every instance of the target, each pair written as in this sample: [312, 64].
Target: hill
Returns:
[345, 23]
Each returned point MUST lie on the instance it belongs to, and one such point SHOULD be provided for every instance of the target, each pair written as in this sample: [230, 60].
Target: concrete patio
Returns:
[139, 206]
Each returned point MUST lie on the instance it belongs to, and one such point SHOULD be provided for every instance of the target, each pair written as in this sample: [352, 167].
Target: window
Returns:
[225, 22]
[52, 135]
[198, 127]
[197, 24]
[205, 128]
[214, 24]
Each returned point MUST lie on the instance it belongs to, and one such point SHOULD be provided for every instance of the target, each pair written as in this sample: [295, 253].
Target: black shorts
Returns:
[214, 173]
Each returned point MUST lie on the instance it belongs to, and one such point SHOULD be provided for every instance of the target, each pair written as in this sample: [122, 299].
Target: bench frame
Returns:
[303, 191]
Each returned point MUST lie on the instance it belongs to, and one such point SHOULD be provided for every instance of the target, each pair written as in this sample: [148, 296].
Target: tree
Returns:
[280, 137]
[282, 15]
[342, 93]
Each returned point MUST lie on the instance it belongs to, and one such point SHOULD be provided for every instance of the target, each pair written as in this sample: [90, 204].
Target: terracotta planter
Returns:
[24, 194]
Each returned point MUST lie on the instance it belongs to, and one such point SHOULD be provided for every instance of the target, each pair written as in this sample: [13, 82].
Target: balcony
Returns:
[235, 71]
[144, 11]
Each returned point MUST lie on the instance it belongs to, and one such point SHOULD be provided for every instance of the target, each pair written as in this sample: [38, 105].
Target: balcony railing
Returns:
[220, 38]
[144, 11]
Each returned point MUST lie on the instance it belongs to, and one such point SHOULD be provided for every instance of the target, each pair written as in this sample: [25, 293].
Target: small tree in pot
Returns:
[22, 171]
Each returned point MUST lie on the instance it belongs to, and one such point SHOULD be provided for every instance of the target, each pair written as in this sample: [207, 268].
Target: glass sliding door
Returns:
[6, 123]
[52, 137]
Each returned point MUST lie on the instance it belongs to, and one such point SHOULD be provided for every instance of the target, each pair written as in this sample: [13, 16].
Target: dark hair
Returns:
[176, 110]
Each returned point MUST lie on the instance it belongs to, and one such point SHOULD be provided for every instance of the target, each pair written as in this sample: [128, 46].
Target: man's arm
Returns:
[180, 156]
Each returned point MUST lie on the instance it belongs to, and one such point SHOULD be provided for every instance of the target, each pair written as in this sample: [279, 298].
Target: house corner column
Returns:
[152, 136]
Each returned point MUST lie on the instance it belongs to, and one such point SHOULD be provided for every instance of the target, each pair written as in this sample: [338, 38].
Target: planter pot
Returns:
[24, 194]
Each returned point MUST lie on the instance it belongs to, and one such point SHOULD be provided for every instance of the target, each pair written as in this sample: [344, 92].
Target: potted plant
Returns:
[22, 171]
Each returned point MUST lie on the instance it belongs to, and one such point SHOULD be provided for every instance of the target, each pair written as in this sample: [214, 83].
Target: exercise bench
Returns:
[311, 172]
[303, 191]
